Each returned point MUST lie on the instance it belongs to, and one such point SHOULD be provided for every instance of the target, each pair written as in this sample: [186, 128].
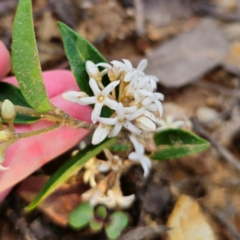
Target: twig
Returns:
[229, 157]
[21, 225]
[62, 118]
[139, 17]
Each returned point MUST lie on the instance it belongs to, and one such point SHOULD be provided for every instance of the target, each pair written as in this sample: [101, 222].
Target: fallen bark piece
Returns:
[59, 204]
[189, 56]
[187, 221]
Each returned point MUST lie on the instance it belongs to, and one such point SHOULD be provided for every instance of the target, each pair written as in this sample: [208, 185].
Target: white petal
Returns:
[104, 167]
[93, 85]
[120, 111]
[117, 128]
[142, 65]
[108, 121]
[100, 133]
[137, 146]
[128, 64]
[72, 96]
[87, 100]
[132, 128]
[145, 124]
[147, 101]
[145, 169]
[91, 68]
[159, 107]
[128, 77]
[110, 103]
[110, 87]
[133, 156]
[2, 168]
[96, 112]
[146, 93]
[151, 107]
[129, 110]
[136, 114]
[159, 96]
[119, 64]
[149, 115]
[125, 201]
[104, 65]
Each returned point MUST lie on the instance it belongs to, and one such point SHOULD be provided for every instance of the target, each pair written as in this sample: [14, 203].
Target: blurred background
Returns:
[193, 47]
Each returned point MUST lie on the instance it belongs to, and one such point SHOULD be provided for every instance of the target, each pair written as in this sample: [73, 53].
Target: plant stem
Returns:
[57, 116]
[33, 133]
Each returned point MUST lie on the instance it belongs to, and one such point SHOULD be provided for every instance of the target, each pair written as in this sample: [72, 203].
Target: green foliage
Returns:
[173, 143]
[118, 221]
[25, 60]
[68, 169]
[78, 51]
[12, 93]
[81, 216]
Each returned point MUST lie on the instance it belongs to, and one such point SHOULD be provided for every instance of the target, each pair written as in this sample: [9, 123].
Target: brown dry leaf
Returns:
[187, 221]
[59, 204]
[189, 56]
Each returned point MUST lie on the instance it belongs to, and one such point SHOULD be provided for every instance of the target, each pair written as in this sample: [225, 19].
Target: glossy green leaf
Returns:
[78, 51]
[68, 169]
[25, 60]
[81, 216]
[118, 221]
[12, 93]
[173, 143]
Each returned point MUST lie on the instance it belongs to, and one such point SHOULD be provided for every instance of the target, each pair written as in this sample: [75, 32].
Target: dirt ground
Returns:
[193, 46]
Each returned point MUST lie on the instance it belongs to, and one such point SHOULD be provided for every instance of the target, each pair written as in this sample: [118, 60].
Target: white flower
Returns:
[100, 133]
[93, 71]
[138, 156]
[122, 119]
[93, 196]
[100, 98]
[169, 123]
[148, 83]
[132, 74]
[115, 199]
[155, 97]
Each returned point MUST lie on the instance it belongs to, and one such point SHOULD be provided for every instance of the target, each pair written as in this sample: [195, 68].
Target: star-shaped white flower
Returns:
[115, 199]
[122, 119]
[169, 123]
[138, 156]
[101, 133]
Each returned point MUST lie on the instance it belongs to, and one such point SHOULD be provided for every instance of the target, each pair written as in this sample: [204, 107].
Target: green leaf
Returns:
[12, 93]
[78, 51]
[173, 143]
[68, 169]
[25, 59]
[118, 221]
[101, 212]
[96, 224]
[81, 216]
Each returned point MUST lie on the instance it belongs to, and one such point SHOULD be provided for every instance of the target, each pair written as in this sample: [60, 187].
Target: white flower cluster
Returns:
[137, 106]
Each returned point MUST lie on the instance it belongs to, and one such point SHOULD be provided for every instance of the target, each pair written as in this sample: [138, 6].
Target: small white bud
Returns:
[5, 135]
[8, 110]
[93, 71]
[145, 124]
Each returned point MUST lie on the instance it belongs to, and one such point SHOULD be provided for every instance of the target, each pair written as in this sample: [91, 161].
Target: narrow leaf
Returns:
[78, 51]
[25, 59]
[81, 216]
[67, 170]
[173, 143]
[12, 93]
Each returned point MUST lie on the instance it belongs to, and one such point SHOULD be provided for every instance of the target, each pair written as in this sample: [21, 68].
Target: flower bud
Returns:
[5, 135]
[145, 124]
[8, 110]
[93, 71]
